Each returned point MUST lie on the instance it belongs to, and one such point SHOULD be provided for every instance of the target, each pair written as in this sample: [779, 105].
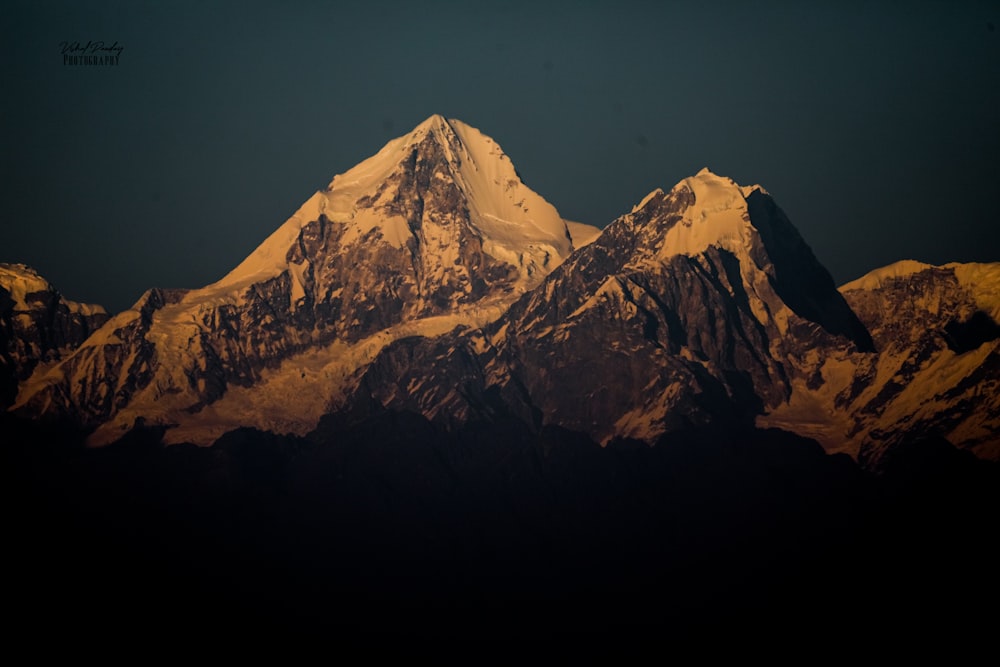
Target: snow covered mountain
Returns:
[429, 279]
[38, 327]
[701, 306]
[434, 231]
[936, 373]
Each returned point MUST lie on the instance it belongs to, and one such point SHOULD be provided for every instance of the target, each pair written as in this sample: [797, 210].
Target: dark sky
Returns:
[876, 125]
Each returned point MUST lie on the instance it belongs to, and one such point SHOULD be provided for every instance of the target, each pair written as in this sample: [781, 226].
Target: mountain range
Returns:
[426, 342]
[430, 279]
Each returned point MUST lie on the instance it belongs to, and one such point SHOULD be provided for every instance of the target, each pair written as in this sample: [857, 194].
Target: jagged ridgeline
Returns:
[430, 279]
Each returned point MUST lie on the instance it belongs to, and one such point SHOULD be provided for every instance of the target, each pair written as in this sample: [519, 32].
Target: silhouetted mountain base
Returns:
[394, 526]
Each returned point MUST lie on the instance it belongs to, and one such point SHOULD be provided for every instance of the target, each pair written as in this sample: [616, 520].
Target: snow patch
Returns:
[582, 234]
[298, 291]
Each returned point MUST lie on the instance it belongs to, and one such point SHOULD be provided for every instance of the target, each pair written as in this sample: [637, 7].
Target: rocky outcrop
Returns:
[937, 371]
[38, 327]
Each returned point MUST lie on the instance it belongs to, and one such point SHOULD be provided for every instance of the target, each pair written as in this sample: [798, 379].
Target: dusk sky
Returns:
[875, 125]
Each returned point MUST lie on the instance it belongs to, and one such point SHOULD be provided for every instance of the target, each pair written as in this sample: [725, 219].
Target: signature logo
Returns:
[91, 53]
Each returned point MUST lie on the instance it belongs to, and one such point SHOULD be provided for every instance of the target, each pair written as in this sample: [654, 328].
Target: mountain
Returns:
[38, 327]
[934, 372]
[704, 308]
[701, 306]
[435, 230]
[938, 368]
[429, 279]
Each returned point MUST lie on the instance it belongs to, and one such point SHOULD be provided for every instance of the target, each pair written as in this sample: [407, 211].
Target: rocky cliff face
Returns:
[38, 327]
[937, 373]
[930, 377]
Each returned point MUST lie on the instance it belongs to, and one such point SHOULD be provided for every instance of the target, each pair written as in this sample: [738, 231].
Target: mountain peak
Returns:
[713, 192]
[700, 211]
[435, 119]
[434, 231]
[37, 326]
[443, 161]
[441, 132]
[875, 278]
[21, 279]
[435, 123]
[707, 193]
[709, 183]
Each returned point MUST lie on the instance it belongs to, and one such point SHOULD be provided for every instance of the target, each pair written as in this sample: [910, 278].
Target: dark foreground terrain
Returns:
[393, 526]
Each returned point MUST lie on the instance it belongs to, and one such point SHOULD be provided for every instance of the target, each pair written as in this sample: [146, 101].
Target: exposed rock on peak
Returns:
[38, 327]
